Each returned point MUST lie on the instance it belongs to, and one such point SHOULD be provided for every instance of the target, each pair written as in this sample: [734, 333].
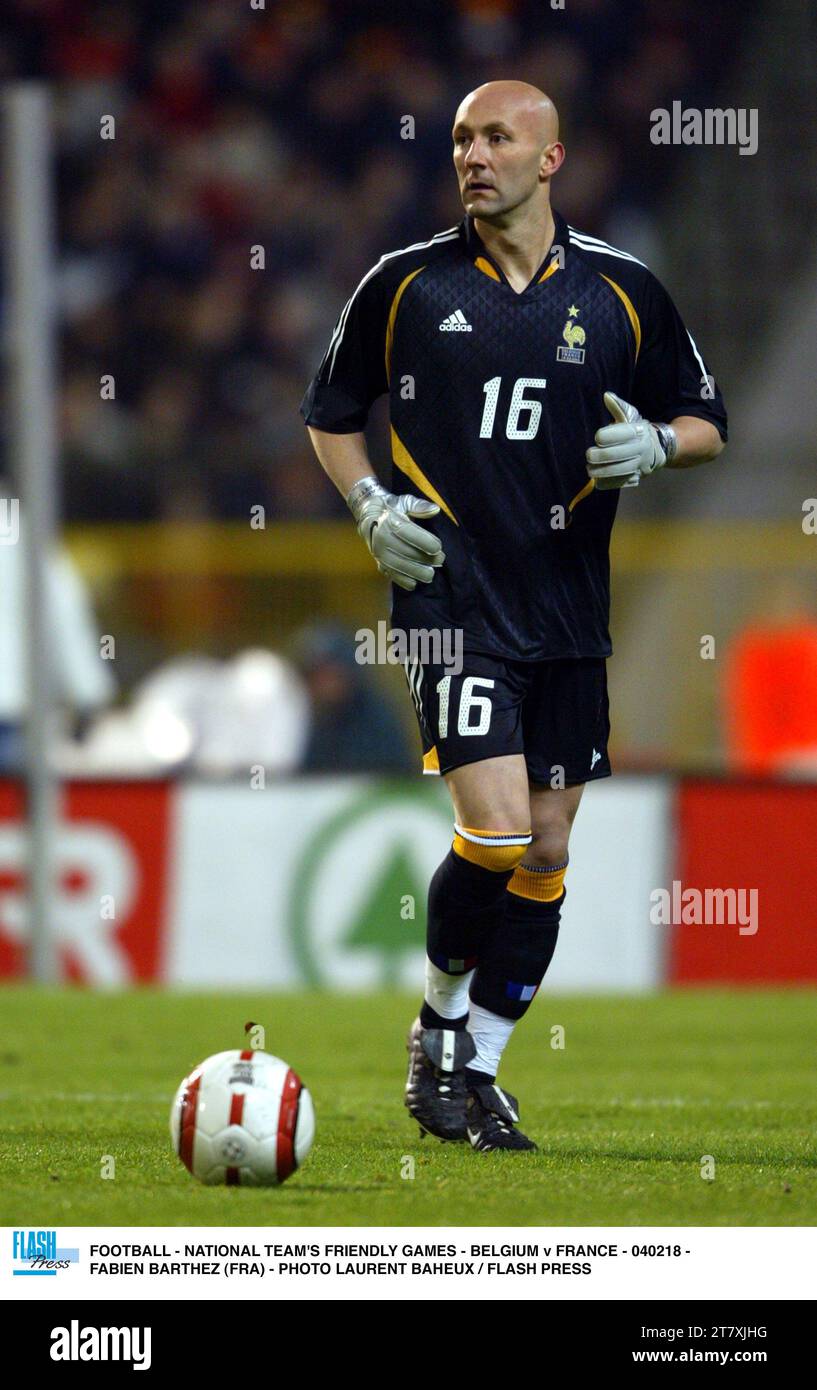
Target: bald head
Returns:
[506, 147]
[517, 102]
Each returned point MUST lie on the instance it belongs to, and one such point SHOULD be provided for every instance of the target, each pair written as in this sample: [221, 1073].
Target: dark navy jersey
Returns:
[494, 398]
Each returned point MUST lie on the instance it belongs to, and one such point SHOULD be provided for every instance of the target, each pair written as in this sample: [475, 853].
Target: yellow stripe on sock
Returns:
[490, 853]
[542, 886]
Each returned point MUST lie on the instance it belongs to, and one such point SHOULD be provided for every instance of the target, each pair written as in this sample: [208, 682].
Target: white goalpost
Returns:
[30, 365]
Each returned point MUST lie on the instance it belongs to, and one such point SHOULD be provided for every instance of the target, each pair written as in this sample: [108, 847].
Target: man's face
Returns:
[497, 156]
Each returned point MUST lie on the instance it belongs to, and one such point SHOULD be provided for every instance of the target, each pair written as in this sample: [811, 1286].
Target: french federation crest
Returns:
[574, 336]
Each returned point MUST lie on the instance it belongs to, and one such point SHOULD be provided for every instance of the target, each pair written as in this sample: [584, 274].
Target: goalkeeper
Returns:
[534, 372]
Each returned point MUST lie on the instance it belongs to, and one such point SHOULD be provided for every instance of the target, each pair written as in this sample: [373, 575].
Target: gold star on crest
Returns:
[573, 311]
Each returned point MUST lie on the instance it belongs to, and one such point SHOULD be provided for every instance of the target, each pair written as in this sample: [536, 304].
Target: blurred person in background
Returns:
[195, 713]
[83, 680]
[353, 727]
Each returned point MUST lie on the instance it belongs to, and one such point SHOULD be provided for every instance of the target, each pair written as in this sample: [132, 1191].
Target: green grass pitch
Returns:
[643, 1090]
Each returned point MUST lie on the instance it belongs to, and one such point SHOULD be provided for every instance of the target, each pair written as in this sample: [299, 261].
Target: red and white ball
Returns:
[242, 1118]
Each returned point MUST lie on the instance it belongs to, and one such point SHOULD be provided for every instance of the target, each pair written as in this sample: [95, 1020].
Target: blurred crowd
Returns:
[259, 713]
[241, 124]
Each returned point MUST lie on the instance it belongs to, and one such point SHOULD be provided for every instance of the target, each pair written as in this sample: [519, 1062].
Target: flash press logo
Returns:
[75, 1343]
[35, 1253]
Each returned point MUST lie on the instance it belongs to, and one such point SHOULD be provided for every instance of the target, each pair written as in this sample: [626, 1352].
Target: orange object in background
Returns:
[770, 693]
[755, 839]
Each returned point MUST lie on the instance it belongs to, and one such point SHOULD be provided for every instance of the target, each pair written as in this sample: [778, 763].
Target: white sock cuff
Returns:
[446, 994]
[491, 1033]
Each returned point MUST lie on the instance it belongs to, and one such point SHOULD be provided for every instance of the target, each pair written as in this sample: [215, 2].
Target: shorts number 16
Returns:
[468, 702]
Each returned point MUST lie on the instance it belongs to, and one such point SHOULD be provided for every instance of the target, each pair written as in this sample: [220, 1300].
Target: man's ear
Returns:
[552, 159]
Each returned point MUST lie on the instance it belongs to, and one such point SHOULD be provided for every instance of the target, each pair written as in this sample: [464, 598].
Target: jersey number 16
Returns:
[518, 404]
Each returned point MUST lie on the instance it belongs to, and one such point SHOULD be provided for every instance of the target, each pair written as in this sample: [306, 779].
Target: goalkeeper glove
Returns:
[402, 550]
[630, 449]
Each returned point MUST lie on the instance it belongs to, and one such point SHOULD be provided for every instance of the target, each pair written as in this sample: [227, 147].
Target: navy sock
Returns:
[478, 1078]
[429, 1018]
[515, 959]
[466, 904]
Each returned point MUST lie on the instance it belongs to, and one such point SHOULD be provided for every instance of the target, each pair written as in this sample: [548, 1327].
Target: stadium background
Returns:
[224, 770]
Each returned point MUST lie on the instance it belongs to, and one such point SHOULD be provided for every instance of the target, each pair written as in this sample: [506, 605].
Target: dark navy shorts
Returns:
[556, 713]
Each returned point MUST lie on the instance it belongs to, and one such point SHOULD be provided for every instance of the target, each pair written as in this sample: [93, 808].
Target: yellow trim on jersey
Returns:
[395, 304]
[486, 267]
[580, 496]
[631, 313]
[431, 763]
[406, 464]
[551, 270]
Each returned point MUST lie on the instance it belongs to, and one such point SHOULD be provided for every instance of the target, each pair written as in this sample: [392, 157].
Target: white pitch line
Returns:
[671, 1103]
[116, 1098]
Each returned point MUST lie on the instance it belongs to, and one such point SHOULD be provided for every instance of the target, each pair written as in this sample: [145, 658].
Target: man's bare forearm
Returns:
[698, 441]
[343, 457]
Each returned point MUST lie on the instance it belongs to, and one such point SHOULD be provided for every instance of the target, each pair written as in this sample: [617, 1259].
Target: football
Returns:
[242, 1118]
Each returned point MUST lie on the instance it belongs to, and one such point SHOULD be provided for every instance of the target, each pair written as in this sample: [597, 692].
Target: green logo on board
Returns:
[357, 908]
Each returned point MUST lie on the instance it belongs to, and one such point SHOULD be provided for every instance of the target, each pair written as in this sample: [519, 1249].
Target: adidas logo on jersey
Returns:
[456, 323]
